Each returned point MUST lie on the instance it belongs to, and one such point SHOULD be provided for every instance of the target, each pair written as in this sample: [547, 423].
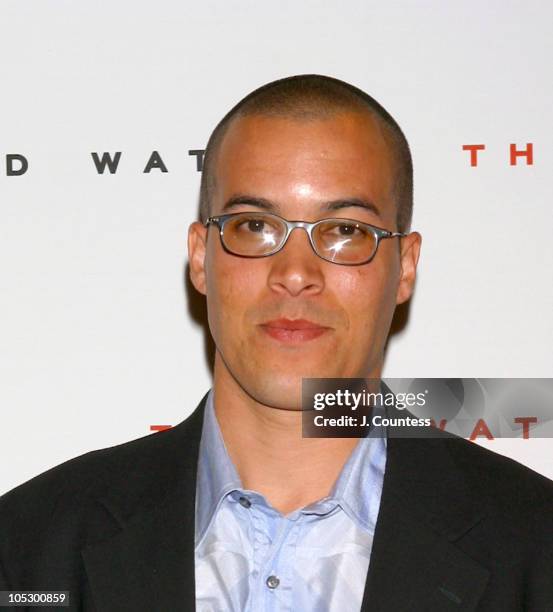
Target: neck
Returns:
[268, 450]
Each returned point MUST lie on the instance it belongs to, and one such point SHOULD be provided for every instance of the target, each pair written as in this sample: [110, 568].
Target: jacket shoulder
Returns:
[518, 501]
[496, 473]
[69, 496]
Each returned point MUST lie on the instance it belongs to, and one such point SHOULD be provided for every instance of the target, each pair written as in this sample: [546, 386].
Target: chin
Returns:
[283, 388]
[276, 391]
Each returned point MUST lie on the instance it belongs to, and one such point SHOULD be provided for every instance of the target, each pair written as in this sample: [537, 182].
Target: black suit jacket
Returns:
[459, 528]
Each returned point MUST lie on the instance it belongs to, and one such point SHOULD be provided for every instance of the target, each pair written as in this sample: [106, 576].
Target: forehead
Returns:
[348, 154]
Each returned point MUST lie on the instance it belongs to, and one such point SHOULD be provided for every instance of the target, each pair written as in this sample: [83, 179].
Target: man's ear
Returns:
[197, 237]
[410, 251]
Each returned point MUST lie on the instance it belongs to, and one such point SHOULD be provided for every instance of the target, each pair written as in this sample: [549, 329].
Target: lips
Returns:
[293, 330]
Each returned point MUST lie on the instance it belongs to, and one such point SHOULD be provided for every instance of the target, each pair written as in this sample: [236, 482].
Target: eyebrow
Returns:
[241, 200]
[265, 204]
[347, 202]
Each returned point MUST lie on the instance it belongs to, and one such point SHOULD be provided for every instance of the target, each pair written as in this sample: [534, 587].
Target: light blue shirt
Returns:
[251, 558]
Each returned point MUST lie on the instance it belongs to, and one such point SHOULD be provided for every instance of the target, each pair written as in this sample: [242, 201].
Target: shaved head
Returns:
[313, 97]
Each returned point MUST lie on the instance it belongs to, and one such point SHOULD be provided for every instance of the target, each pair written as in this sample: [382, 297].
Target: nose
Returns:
[296, 269]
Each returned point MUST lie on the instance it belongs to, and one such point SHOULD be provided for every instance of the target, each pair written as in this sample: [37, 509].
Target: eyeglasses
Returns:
[341, 241]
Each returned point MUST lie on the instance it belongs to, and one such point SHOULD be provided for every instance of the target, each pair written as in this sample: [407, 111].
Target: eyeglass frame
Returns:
[378, 232]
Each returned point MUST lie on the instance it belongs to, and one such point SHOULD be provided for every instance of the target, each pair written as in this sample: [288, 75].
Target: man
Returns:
[233, 509]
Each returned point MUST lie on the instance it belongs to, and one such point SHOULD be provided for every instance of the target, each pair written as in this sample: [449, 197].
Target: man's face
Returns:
[301, 170]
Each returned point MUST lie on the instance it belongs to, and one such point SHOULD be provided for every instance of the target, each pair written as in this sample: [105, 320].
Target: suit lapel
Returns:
[149, 564]
[425, 507]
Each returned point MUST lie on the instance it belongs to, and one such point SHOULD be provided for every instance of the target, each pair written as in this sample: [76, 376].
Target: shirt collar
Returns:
[357, 490]
[216, 476]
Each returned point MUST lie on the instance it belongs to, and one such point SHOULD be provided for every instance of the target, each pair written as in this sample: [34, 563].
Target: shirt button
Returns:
[272, 582]
[244, 501]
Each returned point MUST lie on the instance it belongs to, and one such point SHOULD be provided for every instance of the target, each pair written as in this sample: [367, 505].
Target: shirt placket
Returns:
[274, 538]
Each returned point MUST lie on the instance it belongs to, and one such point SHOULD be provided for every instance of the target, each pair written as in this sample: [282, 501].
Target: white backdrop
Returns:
[97, 342]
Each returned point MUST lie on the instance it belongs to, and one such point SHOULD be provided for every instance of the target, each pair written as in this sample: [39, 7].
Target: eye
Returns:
[255, 225]
[345, 229]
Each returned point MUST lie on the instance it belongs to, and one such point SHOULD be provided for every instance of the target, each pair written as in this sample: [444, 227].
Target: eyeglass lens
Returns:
[337, 240]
